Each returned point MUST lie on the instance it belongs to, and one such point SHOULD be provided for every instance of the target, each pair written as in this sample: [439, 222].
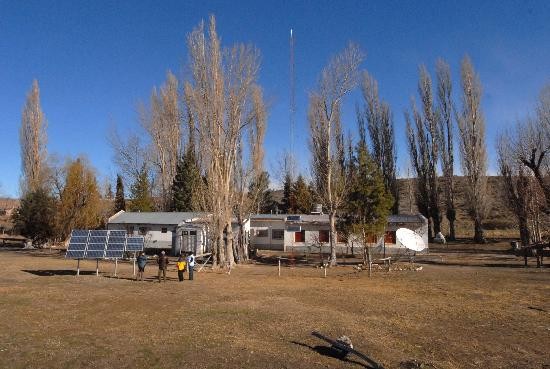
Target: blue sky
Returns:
[96, 60]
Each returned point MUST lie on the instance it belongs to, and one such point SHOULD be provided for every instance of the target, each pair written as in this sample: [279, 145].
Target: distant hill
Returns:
[500, 221]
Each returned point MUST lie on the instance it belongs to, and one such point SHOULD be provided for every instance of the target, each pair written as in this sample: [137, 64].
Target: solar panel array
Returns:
[102, 244]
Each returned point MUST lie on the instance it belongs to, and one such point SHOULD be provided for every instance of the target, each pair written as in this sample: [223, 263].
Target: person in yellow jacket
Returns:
[182, 266]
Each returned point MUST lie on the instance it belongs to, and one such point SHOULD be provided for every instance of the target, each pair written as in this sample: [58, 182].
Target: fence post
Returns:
[279, 266]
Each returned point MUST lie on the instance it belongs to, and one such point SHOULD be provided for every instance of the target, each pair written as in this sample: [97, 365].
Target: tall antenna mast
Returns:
[292, 95]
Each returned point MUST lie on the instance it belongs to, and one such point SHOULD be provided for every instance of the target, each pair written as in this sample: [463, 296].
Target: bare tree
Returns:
[533, 144]
[130, 154]
[473, 152]
[222, 104]
[33, 137]
[249, 169]
[327, 145]
[424, 143]
[446, 128]
[381, 132]
[516, 186]
[163, 124]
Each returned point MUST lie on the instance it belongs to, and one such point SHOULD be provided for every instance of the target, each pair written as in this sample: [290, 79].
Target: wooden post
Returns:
[97, 267]
[134, 263]
[325, 268]
[78, 267]
[279, 266]
[116, 265]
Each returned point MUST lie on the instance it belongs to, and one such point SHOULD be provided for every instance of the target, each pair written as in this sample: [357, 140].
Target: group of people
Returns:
[182, 265]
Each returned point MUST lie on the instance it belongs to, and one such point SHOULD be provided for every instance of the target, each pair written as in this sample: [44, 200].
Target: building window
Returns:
[164, 230]
[130, 230]
[323, 236]
[192, 233]
[389, 237]
[261, 233]
[300, 236]
[143, 231]
[277, 234]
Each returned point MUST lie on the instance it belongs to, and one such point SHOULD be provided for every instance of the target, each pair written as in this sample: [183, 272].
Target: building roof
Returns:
[308, 218]
[168, 218]
[407, 218]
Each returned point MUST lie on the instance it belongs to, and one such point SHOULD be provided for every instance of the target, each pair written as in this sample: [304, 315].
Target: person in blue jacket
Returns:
[141, 262]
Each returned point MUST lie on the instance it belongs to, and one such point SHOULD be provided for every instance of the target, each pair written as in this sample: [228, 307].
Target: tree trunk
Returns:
[451, 216]
[230, 257]
[478, 231]
[243, 243]
[524, 233]
[430, 230]
[332, 220]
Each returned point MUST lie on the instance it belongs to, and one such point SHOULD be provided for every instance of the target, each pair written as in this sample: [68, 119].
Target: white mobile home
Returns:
[158, 228]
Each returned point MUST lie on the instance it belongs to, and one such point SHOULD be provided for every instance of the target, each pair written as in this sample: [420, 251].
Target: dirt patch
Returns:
[464, 309]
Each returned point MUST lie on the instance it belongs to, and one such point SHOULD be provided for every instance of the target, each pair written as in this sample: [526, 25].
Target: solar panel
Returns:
[95, 254]
[98, 244]
[79, 232]
[114, 250]
[117, 239]
[117, 233]
[78, 239]
[97, 239]
[99, 233]
[76, 247]
[134, 244]
[75, 254]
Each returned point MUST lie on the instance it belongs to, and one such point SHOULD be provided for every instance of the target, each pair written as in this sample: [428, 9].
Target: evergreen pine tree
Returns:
[141, 192]
[369, 201]
[120, 203]
[287, 203]
[35, 217]
[303, 199]
[188, 184]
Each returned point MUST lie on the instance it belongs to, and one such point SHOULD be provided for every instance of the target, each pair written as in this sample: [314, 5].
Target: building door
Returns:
[189, 241]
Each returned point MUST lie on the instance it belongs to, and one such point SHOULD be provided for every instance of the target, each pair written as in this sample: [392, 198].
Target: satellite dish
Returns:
[410, 239]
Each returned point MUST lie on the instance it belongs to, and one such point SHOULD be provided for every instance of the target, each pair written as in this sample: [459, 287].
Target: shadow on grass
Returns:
[519, 265]
[330, 352]
[299, 260]
[57, 272]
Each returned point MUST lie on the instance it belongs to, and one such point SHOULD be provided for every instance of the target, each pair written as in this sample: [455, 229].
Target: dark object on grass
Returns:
[343, 345]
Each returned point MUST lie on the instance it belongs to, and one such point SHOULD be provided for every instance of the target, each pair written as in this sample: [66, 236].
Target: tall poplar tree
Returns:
[32, 136]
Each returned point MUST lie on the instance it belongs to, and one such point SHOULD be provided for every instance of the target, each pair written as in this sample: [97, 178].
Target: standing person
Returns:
[141, 262]
[163, 264]
[181, 264]
[190, 265]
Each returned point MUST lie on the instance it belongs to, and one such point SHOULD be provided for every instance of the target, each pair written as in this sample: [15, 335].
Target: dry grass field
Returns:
[467, 308]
